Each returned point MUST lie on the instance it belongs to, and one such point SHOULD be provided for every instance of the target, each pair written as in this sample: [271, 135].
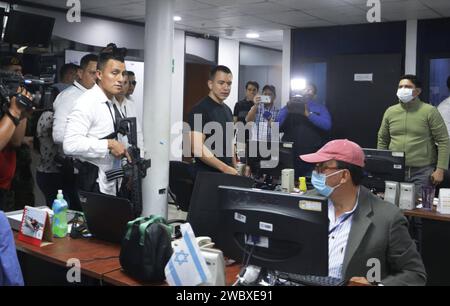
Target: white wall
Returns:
[256, 56]
[177, 88]
[229, 56]
[264, 75]
[286, 74]
[94, 31]
[204, 48]
[261, 65]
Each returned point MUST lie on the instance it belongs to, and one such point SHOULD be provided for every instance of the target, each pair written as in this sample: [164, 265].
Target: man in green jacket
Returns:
[416, 128]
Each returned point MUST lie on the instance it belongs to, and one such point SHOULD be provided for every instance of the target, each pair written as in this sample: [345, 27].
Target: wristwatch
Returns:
[14, 119]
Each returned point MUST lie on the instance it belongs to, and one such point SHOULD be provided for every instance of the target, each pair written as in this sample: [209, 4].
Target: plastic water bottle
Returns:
[59, 208]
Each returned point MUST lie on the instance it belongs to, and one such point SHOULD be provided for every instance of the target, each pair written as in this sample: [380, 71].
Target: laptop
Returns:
[106, 216]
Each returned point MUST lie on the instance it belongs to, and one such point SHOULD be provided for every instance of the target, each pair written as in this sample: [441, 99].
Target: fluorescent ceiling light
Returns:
[252, 35]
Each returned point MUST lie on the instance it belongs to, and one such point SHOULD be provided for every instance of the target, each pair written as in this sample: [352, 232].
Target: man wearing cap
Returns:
[363, 230]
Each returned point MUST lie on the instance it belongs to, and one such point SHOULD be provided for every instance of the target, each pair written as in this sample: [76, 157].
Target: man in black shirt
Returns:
[211, 127]
[242, 107]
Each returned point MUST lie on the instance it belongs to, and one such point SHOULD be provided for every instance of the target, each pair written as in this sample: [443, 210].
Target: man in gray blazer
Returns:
[368, 239]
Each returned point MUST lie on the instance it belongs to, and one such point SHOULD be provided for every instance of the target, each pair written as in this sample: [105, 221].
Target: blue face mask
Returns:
[319, 181]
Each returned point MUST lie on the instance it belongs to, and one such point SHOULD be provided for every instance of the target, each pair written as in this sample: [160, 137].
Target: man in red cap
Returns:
[368, 237]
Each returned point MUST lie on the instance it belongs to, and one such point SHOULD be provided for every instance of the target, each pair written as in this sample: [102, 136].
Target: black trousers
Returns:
[50, 183]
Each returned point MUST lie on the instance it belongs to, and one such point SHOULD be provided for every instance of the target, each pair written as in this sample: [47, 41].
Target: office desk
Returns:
[120, 278]
[432, 230]
[99, 263]
[97, 258]
[427, 214]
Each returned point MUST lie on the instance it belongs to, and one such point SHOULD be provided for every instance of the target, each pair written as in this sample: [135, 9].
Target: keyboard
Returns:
[310, 280]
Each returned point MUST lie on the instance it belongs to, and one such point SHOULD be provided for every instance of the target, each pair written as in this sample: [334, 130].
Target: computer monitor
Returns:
[203, 211]
[292, 230]
[263, 160]
[381, 166]
[29, 29]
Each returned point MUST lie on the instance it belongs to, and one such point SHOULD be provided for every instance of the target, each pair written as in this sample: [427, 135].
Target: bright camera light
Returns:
[298, 84]
[177, 18]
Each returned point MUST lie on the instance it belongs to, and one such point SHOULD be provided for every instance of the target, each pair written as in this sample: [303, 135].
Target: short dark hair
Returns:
[9, 60]
[414, 79]
[314, 87]
[271, 88]
[253, 83]
[66, 69]
[87, 59]
[130, 73]
[448, 82]
[356, 172]
[218, 68]
[104, 58]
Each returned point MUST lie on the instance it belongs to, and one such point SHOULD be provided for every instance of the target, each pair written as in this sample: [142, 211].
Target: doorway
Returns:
[360, 89]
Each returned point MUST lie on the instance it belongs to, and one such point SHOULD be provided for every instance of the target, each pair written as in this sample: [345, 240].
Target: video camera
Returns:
[40, 89]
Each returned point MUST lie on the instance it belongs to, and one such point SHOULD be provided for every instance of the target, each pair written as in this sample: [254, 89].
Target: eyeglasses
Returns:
[322, 168]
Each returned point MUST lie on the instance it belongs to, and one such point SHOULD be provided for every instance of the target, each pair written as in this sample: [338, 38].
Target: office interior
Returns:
[328, 43]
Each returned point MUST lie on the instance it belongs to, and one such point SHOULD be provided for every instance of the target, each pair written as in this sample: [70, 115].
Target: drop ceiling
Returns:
[235, 18]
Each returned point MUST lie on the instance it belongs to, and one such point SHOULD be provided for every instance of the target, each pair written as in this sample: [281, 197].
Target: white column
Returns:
[286, 70]
[411, 47]
[159, 34]
[229, 56]
[176, 119]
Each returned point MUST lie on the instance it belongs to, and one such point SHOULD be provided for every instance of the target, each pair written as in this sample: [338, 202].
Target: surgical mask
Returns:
[319, 181]
[405, 95]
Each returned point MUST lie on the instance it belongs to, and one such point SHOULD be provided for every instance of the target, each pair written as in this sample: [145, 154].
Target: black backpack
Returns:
[146, 248]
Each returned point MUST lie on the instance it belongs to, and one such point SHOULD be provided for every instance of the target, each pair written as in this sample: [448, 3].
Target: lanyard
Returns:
[340, 223]
[112, 116]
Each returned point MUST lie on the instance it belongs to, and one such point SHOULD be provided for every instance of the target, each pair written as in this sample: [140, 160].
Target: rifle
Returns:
[135, 170]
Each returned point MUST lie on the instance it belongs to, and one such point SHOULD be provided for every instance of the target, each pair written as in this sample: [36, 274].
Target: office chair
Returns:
[181, 184]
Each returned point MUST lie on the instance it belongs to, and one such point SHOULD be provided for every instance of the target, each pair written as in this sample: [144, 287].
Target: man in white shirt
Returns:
[91, 123]
[66, 100]
[127, 109]
[444, 108]
[62, 106]
[132, 82]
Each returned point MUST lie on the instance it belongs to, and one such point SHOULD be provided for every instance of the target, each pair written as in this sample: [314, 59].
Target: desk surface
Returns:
[427, 214]
[120, 278]
[97, 257]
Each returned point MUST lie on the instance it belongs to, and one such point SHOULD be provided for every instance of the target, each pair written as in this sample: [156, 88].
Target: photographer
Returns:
[13, 124]
[21, 188]
[306, 123]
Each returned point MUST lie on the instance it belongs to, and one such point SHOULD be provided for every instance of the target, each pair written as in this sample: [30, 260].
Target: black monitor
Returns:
[29, 29]
[263, 160]
[203, 211]
[381, 166]
[292, 230]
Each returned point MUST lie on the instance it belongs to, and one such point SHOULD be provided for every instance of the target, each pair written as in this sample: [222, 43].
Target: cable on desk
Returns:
[97, 259]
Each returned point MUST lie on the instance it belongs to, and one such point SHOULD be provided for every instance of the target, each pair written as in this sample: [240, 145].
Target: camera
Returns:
[40, 89]
[266, 99]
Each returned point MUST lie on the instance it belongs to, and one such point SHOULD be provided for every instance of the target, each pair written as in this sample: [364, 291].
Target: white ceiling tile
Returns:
[309, 4]
[290, 17]
[264, 16]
